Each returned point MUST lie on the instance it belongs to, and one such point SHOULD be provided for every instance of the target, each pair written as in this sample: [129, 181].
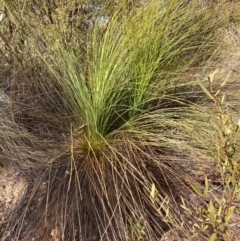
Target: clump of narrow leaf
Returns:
[114, 118]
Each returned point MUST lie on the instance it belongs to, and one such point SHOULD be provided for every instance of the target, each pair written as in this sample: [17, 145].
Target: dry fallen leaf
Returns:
[55, 234]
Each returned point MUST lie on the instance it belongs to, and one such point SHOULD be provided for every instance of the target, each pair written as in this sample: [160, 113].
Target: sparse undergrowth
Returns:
[106, 117]
[215, 218]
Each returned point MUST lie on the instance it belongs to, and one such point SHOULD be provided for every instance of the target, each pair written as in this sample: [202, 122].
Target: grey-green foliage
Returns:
[215, 217]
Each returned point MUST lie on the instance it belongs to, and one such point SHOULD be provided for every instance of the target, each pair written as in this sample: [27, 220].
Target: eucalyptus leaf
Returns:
[213, 237]
[196, 188]
[205, 89]
[229, 213]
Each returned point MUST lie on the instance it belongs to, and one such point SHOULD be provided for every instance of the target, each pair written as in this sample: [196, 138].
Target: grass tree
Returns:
[111, 128]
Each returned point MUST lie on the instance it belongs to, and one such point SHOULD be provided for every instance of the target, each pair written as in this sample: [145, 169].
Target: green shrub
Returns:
[215, 217]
